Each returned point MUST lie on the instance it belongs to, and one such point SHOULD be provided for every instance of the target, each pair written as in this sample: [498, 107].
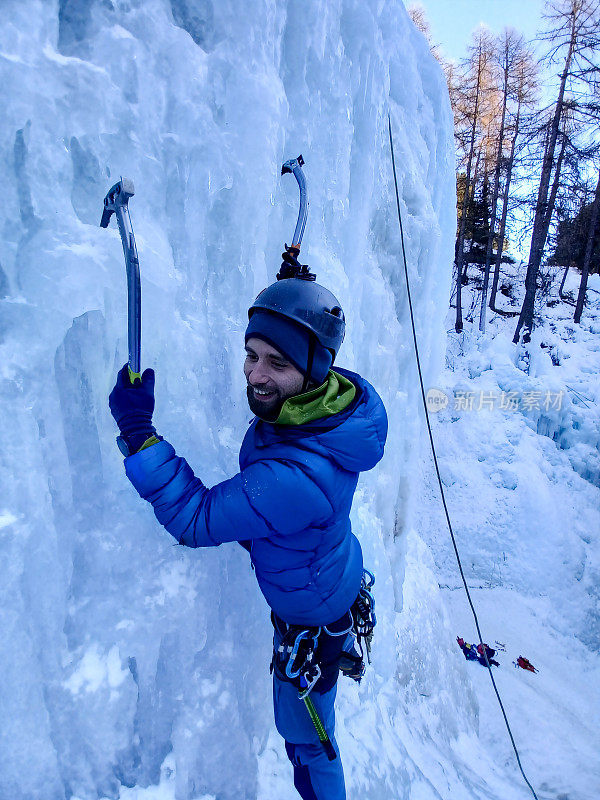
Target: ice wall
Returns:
[121, 653]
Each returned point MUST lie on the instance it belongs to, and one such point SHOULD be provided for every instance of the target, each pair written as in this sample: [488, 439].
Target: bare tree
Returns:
[523, 97]
[509, 46]
[573, 40]
[417, 14]
[476, 83]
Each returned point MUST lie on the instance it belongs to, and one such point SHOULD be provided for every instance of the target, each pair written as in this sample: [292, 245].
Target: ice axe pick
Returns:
[116, 202]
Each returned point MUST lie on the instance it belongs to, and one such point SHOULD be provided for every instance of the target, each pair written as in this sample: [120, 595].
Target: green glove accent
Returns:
[149, 442]
[134, 375]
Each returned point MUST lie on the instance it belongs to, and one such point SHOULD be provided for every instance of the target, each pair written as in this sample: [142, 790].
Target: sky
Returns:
[452, 21]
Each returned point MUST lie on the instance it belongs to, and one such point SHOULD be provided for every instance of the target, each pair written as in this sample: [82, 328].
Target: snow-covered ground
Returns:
[523, 490]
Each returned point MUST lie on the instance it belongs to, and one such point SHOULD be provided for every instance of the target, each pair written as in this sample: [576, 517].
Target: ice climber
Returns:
[525, 663]
[476, 652]
[315, 429]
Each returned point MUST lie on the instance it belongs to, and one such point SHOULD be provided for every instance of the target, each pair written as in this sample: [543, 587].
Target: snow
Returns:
[524, 498]
[134, 669]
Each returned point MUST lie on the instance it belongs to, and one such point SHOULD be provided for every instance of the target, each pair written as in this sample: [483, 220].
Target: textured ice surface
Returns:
[127, 661]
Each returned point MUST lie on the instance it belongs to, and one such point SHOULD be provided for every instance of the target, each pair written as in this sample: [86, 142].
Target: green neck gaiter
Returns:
[334, 395]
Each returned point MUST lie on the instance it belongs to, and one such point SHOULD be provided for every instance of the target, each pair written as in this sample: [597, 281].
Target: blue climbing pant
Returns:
[315, 777]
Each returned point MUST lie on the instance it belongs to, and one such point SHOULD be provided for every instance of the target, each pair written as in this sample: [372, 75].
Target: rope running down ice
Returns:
[412, 319]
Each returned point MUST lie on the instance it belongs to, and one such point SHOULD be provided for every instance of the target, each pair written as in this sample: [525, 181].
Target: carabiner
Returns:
[304, 635]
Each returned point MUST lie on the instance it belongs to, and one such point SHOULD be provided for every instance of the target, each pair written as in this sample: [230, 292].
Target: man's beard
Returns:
[268, 411]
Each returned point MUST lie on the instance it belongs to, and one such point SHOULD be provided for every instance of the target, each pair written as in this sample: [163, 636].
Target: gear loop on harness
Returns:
[352, 661]
[310, 657]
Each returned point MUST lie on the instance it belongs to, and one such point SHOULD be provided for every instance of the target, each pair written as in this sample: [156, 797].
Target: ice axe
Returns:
[291, 267]
[116, 202]
[294, 167]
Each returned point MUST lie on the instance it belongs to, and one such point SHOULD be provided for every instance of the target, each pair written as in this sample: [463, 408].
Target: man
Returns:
[315, 429]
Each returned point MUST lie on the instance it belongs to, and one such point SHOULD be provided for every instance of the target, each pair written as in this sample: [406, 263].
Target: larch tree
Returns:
[417, 14]
[523, 90]
[510, 58]
[573, 39]
[468, 105]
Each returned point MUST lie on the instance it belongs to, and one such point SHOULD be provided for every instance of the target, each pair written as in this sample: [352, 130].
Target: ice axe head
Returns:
[292, 164]
[117, 196]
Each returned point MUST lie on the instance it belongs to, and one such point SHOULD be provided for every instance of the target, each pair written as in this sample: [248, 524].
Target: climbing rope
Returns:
[462, 574]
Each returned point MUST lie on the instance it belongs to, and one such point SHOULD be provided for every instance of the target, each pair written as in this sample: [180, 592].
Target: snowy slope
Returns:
[523, 490]
[128, 663]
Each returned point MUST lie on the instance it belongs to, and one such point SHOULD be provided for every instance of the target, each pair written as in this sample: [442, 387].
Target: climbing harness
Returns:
[116, 202]
[309, 655]
[412, 319]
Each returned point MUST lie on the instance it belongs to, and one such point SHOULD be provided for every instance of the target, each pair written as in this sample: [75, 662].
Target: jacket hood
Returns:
[354, 438]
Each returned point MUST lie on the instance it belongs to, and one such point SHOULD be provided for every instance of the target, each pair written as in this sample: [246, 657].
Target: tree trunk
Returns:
[469, 214]
[458, 325]
[543, 210]
[495, 192]
[502, 228]
[554, 190]
[527, 311]
[562, 283]
[589, 248]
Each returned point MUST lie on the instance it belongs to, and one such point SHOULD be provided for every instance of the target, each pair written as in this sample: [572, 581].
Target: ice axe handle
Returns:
[294, 166]
[116, 202]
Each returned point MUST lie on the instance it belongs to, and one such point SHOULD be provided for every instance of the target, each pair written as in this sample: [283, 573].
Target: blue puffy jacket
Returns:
[291, 499]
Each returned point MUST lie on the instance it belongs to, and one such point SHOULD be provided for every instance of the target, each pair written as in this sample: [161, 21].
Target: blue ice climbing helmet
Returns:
[309, 305]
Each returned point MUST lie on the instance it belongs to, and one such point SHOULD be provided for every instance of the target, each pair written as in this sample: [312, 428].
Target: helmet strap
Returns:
[312, 344]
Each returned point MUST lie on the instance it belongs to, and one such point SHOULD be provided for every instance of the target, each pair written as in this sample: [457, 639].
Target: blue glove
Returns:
[132, 405]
